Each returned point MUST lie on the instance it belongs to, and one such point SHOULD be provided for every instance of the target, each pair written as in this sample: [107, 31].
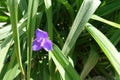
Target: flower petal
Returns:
[36, 45]
[47, 45]
[41, 34]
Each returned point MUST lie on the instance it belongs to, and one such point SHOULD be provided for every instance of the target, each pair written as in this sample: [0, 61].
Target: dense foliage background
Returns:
[85, 36]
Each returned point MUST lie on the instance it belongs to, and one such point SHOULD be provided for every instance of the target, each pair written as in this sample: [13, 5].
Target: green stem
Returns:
[32, 10]
[48, 9]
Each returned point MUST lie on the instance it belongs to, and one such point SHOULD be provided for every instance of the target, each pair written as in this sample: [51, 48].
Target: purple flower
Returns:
[41, 41]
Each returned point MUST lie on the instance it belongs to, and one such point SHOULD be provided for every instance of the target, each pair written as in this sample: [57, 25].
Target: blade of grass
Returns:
[91, 62]
[95, 17]
[48, 9]
[87, 8]
[13, 6]
[32, 10]
[63, 65]
[108, 48]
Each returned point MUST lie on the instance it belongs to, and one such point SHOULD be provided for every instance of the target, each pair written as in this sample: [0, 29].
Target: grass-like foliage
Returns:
[84, 34]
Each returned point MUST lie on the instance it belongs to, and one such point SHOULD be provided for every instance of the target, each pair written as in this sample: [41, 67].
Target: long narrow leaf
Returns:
[95, 17]
[32, 10]
[48, 9]
[109, 8]
[13, 6]
[108, 48]
[86, 10]
[63, 65]
[12, 70]
[91, 62]
[12, 73]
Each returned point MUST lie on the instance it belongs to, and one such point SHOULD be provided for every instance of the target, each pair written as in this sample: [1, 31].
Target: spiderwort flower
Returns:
[41, 41]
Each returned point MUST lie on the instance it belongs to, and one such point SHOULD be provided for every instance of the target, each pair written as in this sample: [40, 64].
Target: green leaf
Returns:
[32, 11]
[117, 77]
[5, 32]
[95, 17]
[108, 8]
[87, 8]
[8, 42]
[63, 65]
[48, 8]
[13, 9]
[12, 73]
[108, 48]
[3, 18]
[115, 38]
[12, 70]
[23, 6]
[3, 56]
[68, 7]
[91, 62]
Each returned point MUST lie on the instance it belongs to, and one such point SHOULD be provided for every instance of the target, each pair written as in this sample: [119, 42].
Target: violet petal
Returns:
[41, 34]
[36, 45]
[47, 45]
